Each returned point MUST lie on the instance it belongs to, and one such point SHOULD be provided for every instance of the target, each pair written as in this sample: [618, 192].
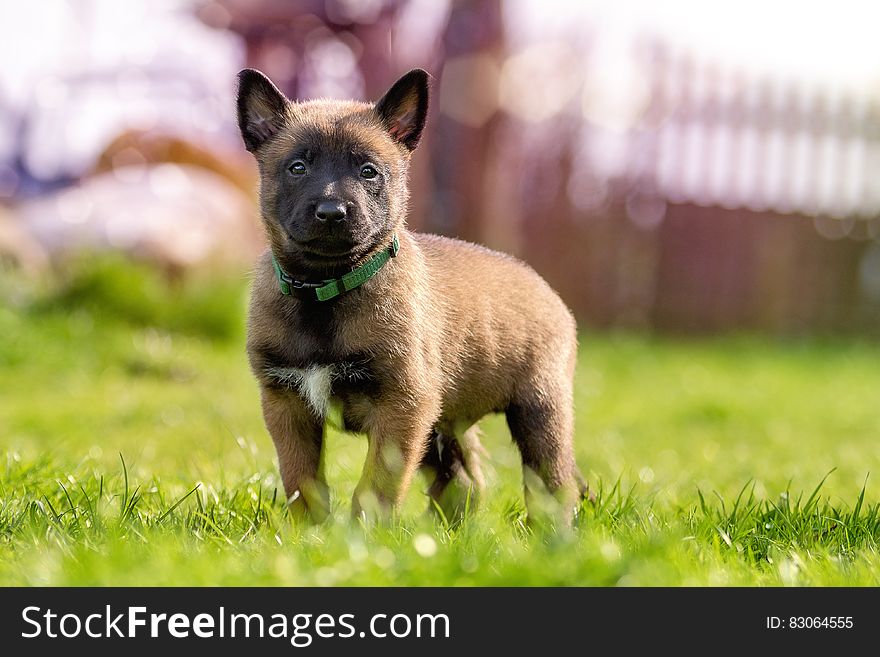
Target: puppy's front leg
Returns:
[397, 442]
[298, 436]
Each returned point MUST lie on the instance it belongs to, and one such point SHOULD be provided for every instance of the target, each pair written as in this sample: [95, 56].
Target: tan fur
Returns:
[448, 332]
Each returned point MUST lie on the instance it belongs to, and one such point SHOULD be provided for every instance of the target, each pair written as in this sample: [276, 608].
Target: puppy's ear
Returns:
[404, 107]
[262, 108]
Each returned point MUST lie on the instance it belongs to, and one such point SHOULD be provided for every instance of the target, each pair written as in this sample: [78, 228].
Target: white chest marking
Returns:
[313, 383]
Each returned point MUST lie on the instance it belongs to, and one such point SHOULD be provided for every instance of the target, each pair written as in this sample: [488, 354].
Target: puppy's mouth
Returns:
[329, 249]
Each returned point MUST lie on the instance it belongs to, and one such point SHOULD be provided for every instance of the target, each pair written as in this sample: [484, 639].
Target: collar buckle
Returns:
[302, 285]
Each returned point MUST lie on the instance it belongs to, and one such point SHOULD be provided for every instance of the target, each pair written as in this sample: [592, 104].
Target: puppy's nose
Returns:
[330, 210]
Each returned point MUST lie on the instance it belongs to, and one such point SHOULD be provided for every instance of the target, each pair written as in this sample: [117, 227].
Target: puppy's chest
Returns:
[322, 385]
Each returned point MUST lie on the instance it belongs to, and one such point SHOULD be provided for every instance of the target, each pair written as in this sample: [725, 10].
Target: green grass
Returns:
[135, 454]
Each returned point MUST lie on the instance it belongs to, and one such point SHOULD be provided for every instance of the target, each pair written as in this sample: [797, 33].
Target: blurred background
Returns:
[699, 180]
[679, 166]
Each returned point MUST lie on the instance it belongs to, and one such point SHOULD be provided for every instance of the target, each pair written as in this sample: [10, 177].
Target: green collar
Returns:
[333, 287]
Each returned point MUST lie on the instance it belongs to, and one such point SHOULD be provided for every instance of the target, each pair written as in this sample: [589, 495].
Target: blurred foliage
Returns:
[111, 285]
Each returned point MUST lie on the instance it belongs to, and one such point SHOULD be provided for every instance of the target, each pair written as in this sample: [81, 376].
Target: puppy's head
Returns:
[332, 173]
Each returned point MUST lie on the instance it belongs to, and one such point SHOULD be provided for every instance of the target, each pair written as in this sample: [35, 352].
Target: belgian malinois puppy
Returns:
[413, 337]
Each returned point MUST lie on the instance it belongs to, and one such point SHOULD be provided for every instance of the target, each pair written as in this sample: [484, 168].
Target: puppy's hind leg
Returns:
[454, 465]
[542, 427]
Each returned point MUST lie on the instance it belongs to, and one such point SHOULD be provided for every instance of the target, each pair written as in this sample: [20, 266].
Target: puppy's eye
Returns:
[298, 168]
[369, 172]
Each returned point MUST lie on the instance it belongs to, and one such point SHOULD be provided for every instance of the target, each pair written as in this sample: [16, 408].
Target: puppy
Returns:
[412, 337]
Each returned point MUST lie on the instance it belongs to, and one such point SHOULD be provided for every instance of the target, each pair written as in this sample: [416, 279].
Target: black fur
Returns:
[261, 108]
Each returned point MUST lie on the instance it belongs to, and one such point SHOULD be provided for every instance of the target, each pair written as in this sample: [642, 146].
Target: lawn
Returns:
[134, 453]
